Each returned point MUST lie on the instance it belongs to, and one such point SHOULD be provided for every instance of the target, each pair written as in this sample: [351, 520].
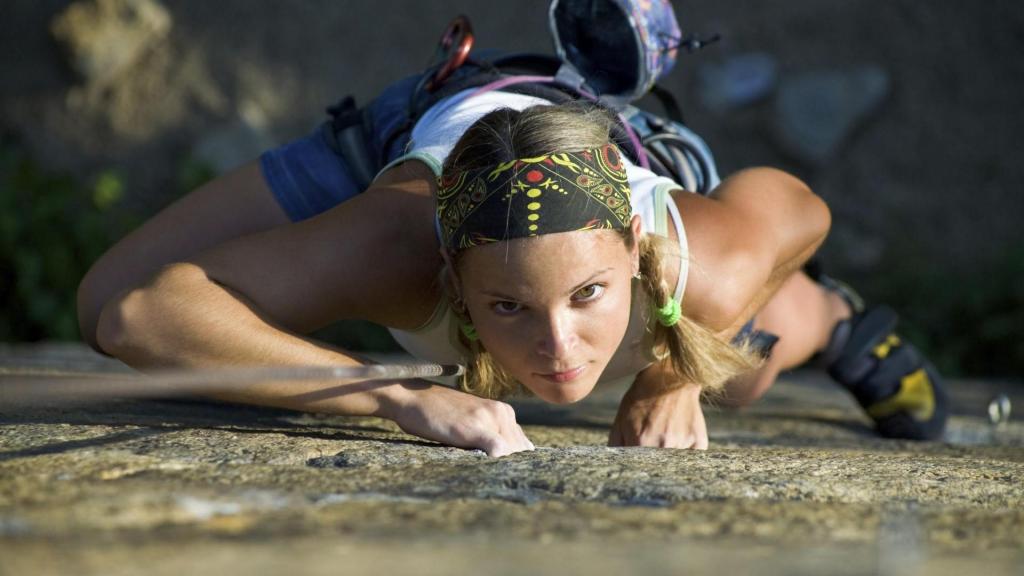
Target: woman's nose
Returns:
[558, 337]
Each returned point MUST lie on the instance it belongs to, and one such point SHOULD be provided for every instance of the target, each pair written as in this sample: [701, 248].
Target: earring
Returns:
[636, 275]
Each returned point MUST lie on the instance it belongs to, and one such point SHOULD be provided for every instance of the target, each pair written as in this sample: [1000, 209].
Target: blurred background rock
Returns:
[905, 116]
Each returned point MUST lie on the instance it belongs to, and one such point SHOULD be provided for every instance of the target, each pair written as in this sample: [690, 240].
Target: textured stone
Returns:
[103, 38]
[739, 81]
[242, 140]
[796, 485]
[815, 112]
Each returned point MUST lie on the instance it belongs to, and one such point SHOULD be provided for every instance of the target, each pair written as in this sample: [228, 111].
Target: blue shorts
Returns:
[746, 331]
[308, 177]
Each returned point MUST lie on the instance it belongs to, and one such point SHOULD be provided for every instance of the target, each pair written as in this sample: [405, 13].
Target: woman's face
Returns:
[552, 309]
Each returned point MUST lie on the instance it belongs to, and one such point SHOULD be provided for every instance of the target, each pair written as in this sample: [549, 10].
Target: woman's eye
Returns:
[506, 307]
[591, 292]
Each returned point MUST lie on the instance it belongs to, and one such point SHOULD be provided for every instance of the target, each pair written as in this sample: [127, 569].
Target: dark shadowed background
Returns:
[924, 183]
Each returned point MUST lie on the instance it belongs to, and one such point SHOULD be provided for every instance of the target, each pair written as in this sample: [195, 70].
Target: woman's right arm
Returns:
[233, 205]
[207, 324]
[246, 301]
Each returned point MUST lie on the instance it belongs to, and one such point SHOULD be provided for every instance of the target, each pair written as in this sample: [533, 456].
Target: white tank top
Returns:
[433, 138]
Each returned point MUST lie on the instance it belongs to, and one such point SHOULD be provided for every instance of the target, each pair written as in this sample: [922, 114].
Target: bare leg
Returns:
[802, 314]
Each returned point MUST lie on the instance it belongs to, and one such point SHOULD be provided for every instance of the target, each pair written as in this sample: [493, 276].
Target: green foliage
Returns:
[969, 322]
[108, 190]
[51, 230]
[53, 227]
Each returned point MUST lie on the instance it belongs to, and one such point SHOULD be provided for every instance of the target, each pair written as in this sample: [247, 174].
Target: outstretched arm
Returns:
[247, 301]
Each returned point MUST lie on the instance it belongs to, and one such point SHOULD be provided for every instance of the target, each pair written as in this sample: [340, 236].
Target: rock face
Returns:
[816, 111]
[737, 82]
[104, 38]
[799, 485]
[232, 144]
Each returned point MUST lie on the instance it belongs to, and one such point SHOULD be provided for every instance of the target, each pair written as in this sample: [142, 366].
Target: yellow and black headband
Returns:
[561, 192]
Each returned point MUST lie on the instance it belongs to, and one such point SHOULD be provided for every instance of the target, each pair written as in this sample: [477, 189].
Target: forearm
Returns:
[659, 410]
[184, 320]
[659, 378]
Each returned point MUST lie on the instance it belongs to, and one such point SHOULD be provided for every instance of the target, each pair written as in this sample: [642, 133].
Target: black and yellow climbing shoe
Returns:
[898, 388]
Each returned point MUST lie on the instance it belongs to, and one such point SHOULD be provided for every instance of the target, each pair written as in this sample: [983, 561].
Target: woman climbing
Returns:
[520, 235]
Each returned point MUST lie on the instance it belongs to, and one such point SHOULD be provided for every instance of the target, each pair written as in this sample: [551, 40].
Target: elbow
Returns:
[810, 209]
[813, 212]
[805, 218]
[799, 216]
[129, 324]
[89, 303]
[818, 218]
[116, 321]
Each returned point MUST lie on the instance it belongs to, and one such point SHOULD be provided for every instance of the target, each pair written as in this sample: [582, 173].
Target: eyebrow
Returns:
[573, 291]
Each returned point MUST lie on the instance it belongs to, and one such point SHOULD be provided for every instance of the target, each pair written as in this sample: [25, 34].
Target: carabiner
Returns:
[454, 46]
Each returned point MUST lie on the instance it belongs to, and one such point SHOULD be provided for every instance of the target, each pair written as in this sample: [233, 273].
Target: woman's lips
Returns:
[563, 377]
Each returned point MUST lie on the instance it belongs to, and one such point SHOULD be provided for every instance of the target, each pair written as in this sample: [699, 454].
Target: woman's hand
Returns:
[460, 419]
[650, 416]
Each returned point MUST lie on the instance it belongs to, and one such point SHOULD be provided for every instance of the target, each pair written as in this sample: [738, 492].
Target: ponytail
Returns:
[697, 355]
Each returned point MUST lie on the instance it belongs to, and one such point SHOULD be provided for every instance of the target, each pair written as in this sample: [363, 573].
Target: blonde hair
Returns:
[696, 354]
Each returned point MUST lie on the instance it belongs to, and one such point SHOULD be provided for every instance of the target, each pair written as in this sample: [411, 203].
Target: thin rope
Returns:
[33, 386]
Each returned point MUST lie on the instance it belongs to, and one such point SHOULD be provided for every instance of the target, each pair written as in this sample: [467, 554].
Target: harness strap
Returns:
[665, 150]
[510, 81]
[346, 134]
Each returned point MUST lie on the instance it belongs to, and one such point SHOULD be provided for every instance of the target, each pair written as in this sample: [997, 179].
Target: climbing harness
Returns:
[610, 52]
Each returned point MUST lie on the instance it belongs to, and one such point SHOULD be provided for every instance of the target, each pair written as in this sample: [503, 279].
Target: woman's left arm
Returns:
[654, 413]
[757, 228]
[754, 231]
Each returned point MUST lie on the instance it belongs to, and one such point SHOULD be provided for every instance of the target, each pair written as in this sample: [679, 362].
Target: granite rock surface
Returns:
[796, 484]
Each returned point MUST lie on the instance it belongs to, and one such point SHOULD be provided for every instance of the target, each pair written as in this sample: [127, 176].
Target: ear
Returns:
[634, 255]
[449, 271]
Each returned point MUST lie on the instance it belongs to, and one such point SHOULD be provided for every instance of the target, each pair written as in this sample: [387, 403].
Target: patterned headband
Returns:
[561, 192]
